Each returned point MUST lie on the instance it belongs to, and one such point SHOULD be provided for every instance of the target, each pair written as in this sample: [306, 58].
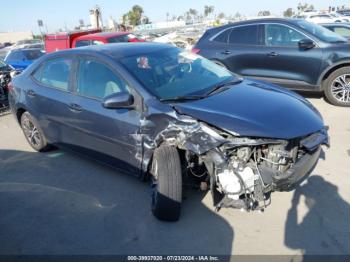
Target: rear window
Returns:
[32, 54]
[320, 16]
[244, 35]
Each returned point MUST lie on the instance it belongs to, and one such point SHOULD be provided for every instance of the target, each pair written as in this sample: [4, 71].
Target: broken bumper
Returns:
[287, 181]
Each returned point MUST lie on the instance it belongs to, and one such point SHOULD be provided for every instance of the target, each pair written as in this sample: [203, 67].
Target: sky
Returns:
[23, 15]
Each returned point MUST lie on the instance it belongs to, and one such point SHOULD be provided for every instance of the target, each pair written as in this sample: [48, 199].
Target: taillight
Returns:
[195, 50]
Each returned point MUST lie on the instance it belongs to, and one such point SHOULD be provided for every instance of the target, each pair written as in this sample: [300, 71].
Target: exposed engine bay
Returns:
[5, 78]
[240, 172]
[244, 172]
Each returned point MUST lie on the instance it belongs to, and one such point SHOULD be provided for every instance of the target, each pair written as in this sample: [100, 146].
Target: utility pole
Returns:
[41, 24]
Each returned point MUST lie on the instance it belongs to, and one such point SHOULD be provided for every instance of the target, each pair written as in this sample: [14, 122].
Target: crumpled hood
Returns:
[256, 109]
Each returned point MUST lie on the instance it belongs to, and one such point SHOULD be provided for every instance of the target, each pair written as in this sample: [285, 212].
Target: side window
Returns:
[244, 35]
[280, 35]
[97, 42]
[55, 73]
[343, 31]
[96, 80]
[331, 28]
[223, 37]
[118, 39]
[37, 73]
[82, 43]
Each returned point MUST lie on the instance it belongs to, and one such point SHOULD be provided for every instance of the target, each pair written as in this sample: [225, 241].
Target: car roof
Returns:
[25, 49]
[103, 35]
[118, 50]
[336, 24]
[262, 20]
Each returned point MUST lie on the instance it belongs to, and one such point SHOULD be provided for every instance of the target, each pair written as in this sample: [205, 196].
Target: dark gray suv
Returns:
[290, 52]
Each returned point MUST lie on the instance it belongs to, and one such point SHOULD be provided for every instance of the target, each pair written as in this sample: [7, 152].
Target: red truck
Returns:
[55, 42]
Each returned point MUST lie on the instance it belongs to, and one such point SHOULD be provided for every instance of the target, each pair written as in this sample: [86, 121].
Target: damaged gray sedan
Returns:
[172, 118]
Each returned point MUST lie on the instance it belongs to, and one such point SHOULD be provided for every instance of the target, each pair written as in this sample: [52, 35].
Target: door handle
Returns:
[31, 93]
[75, 107]
[226, 52]
[272, 54]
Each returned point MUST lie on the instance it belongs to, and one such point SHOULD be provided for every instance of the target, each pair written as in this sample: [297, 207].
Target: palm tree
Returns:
[208, 10]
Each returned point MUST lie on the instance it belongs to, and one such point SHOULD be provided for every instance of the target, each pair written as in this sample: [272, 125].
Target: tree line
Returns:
[136, 15]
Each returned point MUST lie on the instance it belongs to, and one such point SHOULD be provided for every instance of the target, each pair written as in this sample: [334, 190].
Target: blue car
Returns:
[20, 59]
[171, 117]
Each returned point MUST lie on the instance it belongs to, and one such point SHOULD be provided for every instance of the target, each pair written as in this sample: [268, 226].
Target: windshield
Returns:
[32, 54]
[321, 32]
[172, 72]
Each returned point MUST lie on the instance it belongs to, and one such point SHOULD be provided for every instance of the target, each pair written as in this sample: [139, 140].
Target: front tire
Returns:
[33, 133]
[337, 87]
[166, 184]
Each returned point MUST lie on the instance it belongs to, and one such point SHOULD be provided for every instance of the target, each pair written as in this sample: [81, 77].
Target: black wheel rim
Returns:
[31, 132]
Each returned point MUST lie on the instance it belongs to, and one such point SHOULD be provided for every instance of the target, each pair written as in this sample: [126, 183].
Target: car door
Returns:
[109, 135]
[243, 52]
[49, 97]
[287, 64]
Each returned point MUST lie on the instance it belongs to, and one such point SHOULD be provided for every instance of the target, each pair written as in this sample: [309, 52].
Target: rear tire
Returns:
[337, 87]
[167, 184]
[33, 133]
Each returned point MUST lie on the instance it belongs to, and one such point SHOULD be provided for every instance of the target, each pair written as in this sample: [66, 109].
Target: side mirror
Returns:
[118, 100]
[306, 44]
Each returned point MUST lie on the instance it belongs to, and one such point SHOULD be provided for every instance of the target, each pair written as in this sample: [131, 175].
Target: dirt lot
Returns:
[60, 203]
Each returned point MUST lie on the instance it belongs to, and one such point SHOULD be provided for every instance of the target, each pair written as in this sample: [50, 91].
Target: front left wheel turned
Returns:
[166, 184]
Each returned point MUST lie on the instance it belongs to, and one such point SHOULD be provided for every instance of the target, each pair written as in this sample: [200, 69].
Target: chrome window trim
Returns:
[266, 23]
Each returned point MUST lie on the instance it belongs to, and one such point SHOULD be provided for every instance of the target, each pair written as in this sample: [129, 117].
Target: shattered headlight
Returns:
[201, 139]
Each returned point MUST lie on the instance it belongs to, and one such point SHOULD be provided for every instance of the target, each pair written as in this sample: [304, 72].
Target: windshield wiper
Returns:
[227, 84]
[339, 42]
[197, 97]
[181, 98]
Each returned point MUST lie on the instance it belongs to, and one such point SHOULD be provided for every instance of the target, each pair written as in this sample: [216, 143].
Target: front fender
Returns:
[330, 68]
